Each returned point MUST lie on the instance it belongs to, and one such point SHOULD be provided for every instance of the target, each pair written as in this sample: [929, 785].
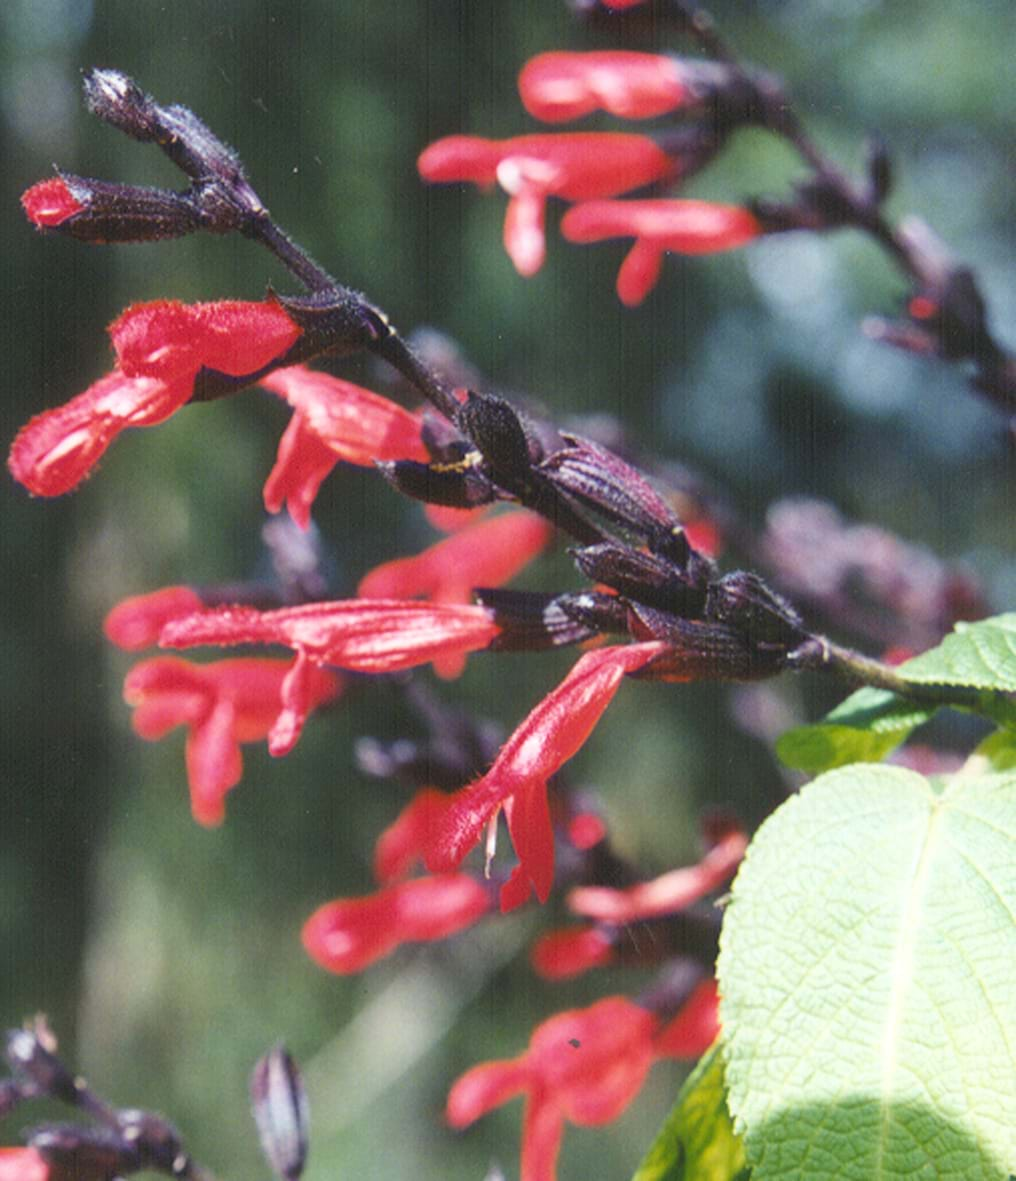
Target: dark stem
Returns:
[296, 260]
[400, 356]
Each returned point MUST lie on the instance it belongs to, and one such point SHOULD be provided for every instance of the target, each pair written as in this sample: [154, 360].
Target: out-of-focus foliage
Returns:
[169, 956]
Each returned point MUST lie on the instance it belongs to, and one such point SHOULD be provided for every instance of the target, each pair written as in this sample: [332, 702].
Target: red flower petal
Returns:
[485, 1087]
[584, 1065]
[223, 705]
[460, 157]
[356, 424]
[451, 520]
[23, 1164]
[56, 450]
[302, 465]
[704, 535]
[554, 730]
[169, 339]
[575, 166]
[524, 240]
[560, 955]
[347, 935]
[559, 86]
[639, 272]
[542, 1132]
[685, 226]
[528, 814]
[607, 1068]
[214, 763]
[695, 1027]
[402, 843]
[135, 623]
[489, 552]
[364, 635]
[50, 203]
[664, 895]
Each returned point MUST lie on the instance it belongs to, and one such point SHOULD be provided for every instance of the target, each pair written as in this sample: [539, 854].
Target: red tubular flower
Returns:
[333, 420]
[23, 1164]
[684, 226]
[488, 553]
[363, 635]
[560, 955]
[161, 347]
[664, 895]
[531, 168]
[302, 465]
[168, 339]
[348, 935]
[696, 1026]
[136, 622]
[554, 730]
[403, 842]
[584, 1066]
[223, 705]
[55, 450]
[556, 87]
[50, 202]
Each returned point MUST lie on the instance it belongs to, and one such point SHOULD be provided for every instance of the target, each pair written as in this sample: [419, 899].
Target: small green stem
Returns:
[821, 654]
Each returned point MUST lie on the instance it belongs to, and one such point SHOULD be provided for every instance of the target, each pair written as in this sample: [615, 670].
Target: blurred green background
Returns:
[168, 956]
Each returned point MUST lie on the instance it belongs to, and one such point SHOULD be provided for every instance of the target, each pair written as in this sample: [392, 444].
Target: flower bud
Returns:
[100, 211]
[603, 481]
[280, 1111]
[495, 429]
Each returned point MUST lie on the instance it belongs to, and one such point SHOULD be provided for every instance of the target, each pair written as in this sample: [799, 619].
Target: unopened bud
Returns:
[33, 1060]
[532, 622]
[453, 485]
[497, 432]
[118, 100]
[280, 1111]
[602, 480]
[100, 211]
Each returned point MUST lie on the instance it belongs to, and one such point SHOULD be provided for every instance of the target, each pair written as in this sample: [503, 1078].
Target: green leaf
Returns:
[979, 655]
[866, 968]
[865, 728]
[871, 723]
[999, 749]
[697, 1142]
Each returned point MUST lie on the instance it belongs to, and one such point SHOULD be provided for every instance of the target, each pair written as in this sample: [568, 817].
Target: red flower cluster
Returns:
[687, 227]
[332, 420]
[583, 1066]
[362, 635]
[587, 167]
[137, 622]
[531, 168]
[160, 348]
[667, 894]
[348, 935]
[488, 552]
[517, 780]
[222, 705]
